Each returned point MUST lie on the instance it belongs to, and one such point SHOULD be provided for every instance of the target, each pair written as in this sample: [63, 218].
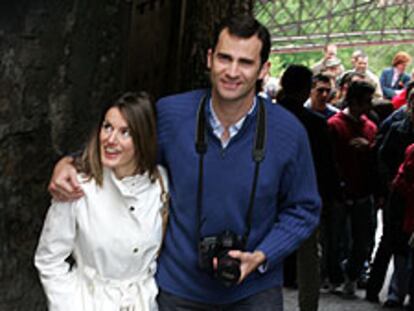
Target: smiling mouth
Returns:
[111, 152]
[230, 85]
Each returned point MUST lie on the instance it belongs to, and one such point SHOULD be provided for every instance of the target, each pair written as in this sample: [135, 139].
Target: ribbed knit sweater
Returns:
[286, 208]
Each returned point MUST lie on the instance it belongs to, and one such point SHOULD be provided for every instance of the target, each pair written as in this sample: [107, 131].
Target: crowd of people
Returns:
[249, 182]
[363, 157]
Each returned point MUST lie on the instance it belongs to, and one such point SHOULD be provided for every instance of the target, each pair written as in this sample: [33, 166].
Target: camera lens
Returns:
[228, 270]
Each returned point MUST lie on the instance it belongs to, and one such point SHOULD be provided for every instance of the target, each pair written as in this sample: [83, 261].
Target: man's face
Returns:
[320, 94]
[330, 51]
[361, 64]
[235, 67]
[364, 103]
[334, 71]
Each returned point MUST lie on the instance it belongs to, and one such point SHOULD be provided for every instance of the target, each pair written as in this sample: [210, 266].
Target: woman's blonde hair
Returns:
[139, 113]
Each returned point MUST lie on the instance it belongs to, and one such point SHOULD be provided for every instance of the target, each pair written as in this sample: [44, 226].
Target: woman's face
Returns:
[116, 144]
[401, 67]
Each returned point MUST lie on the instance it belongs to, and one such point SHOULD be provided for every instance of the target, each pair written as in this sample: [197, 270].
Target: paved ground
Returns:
[329, 302]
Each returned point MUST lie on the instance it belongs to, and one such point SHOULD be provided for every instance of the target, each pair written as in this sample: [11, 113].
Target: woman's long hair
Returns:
[139, 113]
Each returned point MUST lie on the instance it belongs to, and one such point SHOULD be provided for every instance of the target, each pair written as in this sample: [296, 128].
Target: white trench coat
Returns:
[114, 235]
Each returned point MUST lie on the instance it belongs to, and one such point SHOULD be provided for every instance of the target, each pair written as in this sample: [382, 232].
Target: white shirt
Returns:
[395, 77]
[218, 128]
[114, 233]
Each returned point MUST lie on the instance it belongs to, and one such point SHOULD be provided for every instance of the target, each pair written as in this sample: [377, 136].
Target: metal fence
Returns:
[300, 26]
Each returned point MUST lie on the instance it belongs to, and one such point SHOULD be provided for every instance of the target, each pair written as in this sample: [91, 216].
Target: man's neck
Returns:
[229, 112]
[356, 116]
[318, 106]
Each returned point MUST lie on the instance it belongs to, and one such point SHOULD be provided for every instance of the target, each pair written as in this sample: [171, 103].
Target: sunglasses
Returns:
[321, 90]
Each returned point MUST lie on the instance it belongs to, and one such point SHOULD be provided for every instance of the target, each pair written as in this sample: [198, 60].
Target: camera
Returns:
[228, 268]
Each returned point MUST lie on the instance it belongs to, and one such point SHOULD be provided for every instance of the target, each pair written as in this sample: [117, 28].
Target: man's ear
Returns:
[209, 58]
[264, 70]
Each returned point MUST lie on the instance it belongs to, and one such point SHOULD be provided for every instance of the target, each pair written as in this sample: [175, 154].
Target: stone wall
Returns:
[58, 61]
[153, 45]
[200, 20]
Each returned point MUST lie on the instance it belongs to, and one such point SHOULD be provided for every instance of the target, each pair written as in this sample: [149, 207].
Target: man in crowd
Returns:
[361, 66]
[395, 135]
[296, 84]
[330, 51]
[319, 96]
[265, 205]
[353, 136]
[354, 56]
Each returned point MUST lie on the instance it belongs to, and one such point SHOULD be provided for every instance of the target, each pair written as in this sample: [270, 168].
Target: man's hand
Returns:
[248, 261]
[64, 185]
[360, 143]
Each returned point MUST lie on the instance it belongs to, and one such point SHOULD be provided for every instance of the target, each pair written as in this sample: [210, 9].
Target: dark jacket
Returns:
[386, 82]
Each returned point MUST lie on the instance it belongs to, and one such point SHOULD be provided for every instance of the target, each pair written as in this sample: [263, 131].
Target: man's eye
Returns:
[223, 58]
[246, 62]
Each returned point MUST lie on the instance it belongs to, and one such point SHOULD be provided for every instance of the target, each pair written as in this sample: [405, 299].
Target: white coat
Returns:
[114, 234]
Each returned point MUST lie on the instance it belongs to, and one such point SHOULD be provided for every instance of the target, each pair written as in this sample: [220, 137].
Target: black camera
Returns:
[228, 268]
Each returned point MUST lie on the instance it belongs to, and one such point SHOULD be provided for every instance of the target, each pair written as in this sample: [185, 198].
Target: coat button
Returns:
[131, 208]
[136, 250]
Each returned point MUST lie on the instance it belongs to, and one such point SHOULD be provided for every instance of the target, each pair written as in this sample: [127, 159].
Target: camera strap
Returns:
[258, 155]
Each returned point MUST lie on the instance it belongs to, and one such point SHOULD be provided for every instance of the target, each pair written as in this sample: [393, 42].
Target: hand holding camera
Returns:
[224, 257]
[214, 257]
[249, 262]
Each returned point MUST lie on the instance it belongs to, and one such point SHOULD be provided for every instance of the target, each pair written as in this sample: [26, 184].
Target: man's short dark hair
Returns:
[320, 77]
[358, 89]
[296, 78]
[348, 76]
[245, 26]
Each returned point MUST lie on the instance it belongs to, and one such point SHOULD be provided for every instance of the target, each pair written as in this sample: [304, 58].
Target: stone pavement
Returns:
[330, 302]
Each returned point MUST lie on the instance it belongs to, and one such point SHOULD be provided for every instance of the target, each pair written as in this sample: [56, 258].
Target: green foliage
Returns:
[380, 57]
[316, 22]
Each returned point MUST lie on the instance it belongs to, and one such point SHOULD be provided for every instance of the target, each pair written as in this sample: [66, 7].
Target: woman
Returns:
[394, 79]
[114, 232]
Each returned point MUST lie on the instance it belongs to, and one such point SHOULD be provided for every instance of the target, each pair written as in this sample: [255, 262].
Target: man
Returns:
[211, 183]
[296, 83]
[361, 66]
[397, 132]
[333, 68]
[319, 96]
[330, 50]
[353, 137]
[354, 56]
[343, 85]
[270, 88]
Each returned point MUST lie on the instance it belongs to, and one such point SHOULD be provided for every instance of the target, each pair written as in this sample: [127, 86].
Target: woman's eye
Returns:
[107, 127]
[125, 133]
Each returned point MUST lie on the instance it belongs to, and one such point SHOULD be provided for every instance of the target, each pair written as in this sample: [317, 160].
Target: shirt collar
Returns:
[218, 128]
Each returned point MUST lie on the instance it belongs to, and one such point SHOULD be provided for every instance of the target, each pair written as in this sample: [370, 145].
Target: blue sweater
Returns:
[286, 208]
